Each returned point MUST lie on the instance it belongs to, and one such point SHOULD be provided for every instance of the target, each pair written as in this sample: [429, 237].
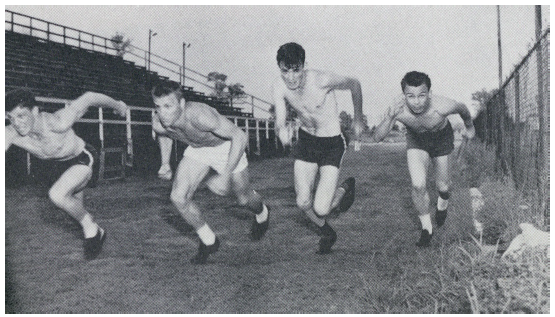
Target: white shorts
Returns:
[216, 157]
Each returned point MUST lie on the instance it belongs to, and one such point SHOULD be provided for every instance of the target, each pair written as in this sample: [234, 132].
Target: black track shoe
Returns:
[258, 230]
[204, 251]
[348, 198]
[441, 215]
[327, 239]
[93, 245]
[425, 239]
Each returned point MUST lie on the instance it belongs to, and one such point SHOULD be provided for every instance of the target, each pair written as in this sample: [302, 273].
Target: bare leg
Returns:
[418, 163]
[66, 194]
[246, 196]
[188, 176]
[305, 176]
[442, 183]
[326, 190]
[165, 171]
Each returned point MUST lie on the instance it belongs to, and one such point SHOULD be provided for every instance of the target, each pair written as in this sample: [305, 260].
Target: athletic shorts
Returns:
[89, 157]
[436, 143]
[216, 157]
[320, 150]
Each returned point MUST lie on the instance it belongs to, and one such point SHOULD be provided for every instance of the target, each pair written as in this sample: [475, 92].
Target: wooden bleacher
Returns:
[53, 69]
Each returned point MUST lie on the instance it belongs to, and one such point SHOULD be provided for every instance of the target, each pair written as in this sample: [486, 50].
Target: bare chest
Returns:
[51, 145]
[309, 102]
[188, 134]
[432, 121]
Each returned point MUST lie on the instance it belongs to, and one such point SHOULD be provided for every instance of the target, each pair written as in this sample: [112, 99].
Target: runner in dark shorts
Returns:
[436, 143]
[430, 139]
[321, 145]
[50, 137]
[320, 150]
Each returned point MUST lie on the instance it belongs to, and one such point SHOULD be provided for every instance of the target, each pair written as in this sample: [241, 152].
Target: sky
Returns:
[455, 45]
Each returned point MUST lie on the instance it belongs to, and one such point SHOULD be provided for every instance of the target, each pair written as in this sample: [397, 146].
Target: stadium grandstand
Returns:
[59, 63]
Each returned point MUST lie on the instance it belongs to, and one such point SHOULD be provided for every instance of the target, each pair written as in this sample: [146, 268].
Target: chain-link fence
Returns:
[515, 123]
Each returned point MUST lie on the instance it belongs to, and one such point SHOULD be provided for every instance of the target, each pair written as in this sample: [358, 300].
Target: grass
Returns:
[470, 276]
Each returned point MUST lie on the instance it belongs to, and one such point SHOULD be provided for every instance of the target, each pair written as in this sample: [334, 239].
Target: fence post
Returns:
[517, 174]
[500, 122]
[258, 136]
[542, 170]
[101, 128]
[129, 161]
[248, 135]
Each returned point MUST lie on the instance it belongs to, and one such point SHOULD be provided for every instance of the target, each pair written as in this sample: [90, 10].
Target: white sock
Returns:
[426, 221]
[477, 202]
[206, 235]
[261, 217]
[442, 203]
[90, 228]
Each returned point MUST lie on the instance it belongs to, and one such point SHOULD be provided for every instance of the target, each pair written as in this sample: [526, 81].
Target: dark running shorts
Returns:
[320, 150]
[89, 157]
[436, 143]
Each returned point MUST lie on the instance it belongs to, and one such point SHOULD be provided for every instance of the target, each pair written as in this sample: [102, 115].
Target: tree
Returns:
[236, 90]
[483, 96]
[121, 44]
[219, 84]
[346, 122]
[365, 123]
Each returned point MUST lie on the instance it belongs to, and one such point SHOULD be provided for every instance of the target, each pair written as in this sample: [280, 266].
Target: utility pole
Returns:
[185, 46]
[500, 59]
[150, 35]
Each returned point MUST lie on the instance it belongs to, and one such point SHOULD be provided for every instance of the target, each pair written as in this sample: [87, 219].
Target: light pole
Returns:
[185, 46]
[150, 35]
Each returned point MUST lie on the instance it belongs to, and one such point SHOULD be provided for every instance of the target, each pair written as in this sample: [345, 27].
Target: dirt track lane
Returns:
[144, 267]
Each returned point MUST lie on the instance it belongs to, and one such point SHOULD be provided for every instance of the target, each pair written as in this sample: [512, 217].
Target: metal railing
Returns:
[258, 130]
[25, 24]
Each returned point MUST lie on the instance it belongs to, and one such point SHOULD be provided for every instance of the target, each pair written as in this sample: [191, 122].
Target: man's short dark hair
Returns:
[291, 54]
[167, 88]
[415, 79]
[20, 98]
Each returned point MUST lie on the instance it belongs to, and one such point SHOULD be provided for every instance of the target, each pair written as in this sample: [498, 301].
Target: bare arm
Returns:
[348, 83]
[65, 118]
[164, 143]
[454, 107]
[463, 111]
[10, 135]
[281, 115]
[389, 120]
[209, 120]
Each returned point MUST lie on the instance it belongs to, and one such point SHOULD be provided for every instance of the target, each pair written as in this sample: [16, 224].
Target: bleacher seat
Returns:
[58, 70]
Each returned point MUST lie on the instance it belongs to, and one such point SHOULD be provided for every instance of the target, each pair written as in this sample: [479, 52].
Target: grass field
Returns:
[375, 266]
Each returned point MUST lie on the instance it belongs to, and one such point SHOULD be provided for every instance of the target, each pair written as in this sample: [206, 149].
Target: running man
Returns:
[50, 136]
[320, 146]
[216, 154]
[429, 137]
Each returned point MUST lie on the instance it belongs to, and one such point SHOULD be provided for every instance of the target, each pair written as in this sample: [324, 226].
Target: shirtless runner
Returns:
[215, 154]
[49, 136]
[320, 146]
[429, 137]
